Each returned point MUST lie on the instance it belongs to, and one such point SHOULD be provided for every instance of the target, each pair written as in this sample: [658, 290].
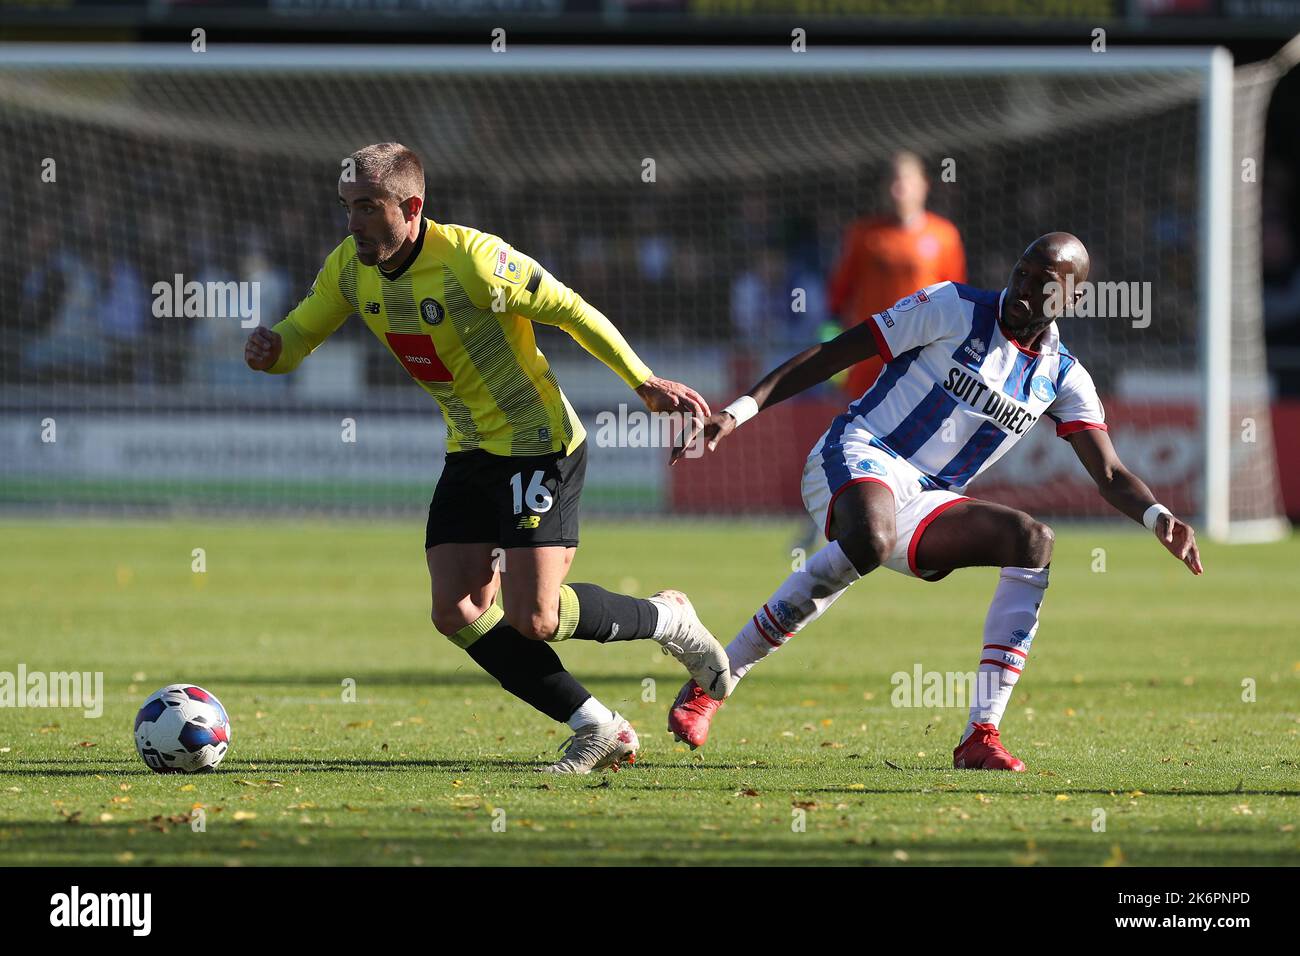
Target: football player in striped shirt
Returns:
[456, 307]
[967, 373]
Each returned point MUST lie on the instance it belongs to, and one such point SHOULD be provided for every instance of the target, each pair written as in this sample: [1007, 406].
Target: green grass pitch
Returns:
[1130, 715]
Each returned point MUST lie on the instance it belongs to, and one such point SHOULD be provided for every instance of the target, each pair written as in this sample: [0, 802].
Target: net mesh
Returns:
[688, 208]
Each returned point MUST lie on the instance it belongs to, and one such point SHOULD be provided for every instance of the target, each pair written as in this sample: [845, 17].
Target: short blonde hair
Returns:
[394, 167]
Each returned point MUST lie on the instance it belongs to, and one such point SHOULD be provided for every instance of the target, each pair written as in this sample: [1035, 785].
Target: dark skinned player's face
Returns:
[376, 221]
[1024, 309]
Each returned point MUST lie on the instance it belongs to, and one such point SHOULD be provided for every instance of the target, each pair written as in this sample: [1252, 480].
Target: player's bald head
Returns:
[392, 167]
[1049, 267]
[1060, 251]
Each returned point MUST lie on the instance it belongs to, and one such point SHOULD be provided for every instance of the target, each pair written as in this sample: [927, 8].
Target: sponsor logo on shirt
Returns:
[418, 356]
[992, 404]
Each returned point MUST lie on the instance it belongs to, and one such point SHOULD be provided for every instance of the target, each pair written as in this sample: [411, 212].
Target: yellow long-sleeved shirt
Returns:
[458, 317]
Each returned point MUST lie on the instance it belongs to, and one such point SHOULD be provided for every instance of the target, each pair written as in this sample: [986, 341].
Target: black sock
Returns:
[605, 616]
[531, 670]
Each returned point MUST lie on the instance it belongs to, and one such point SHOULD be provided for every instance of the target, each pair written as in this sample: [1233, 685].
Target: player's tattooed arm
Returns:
[810, 367]
[1129, 495]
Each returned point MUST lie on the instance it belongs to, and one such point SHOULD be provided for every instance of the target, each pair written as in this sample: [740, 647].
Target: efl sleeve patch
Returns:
[509, 265]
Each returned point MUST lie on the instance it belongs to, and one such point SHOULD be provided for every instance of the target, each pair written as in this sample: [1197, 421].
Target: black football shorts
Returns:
[513, 502]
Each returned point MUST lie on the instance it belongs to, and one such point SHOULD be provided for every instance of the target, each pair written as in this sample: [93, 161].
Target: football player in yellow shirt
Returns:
[456, 308]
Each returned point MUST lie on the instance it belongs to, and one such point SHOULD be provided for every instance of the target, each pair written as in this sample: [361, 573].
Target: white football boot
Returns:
[688, 640]
[598, 747]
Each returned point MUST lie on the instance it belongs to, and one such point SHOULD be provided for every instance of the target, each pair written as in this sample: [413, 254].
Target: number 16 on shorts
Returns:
[535, 496]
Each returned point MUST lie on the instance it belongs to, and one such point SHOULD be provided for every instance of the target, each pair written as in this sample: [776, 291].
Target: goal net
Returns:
[697, 197]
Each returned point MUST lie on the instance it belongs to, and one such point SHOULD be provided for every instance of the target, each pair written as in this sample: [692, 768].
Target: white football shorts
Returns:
[858, 456]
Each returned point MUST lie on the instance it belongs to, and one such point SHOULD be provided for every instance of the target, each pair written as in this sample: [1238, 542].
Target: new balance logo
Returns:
[532, 523]
[372, 308]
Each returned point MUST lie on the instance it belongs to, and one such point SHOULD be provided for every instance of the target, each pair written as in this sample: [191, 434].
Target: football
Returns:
[182, 729]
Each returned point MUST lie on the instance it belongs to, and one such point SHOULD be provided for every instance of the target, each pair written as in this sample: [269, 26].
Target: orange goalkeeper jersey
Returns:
[882, 261]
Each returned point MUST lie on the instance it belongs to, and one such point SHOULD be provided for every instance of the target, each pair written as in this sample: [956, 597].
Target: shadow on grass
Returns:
[462, 841]
[937, 782]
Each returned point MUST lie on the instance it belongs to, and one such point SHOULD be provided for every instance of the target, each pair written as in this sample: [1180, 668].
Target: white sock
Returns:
[802, 598]
[591, 712]
[1009, 629]
[665, 615]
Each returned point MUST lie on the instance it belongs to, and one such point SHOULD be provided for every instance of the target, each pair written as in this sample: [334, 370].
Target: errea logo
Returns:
[74, 909]
[976, 349]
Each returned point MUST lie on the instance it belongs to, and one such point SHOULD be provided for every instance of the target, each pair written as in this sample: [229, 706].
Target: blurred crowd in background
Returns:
[713, 263]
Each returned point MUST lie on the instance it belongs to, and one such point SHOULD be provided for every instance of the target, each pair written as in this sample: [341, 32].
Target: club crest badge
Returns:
[431, 311]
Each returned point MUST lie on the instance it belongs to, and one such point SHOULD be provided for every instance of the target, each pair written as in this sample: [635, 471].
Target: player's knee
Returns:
[1036, 540]
[447, 622]
[868, 548]
[451, 614]
[534, 623]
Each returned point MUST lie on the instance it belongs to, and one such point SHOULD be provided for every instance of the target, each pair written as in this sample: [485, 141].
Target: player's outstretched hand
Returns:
[665, 395]
[262, 350]
[711, 432]
[1179, 540]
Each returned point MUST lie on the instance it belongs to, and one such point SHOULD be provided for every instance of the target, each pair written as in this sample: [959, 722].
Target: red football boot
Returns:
[691, 714]
[983, 750]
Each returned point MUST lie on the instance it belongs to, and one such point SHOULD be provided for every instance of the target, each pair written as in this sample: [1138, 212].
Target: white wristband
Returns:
[742, 409]
[1151, 514]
